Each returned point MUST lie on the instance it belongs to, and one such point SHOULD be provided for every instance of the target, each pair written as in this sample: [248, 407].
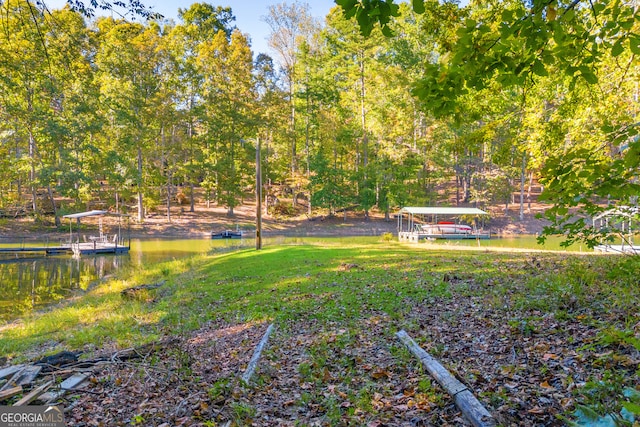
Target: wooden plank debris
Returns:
[74, 382]
[253, 363]
[28, 375]
[13, 381]
[470, 407]
[10, 392]
[31, 396]
[10, 370]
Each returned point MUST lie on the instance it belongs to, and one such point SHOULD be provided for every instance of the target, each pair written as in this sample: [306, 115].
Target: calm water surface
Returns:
[29, 284]
[32, 282]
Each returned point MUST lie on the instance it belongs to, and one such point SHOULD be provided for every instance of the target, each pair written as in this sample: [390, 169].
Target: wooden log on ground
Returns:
[10, 392]
[256, 355]
[33, 395]
[470, 407]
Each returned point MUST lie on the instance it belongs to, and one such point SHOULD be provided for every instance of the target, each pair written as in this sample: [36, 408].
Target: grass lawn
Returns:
[540, 338]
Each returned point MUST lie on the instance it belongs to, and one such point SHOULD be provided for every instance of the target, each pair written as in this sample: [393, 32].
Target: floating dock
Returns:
[85, 248]
[618, 249]
[415, 236]
[47, 250]
[416, 227]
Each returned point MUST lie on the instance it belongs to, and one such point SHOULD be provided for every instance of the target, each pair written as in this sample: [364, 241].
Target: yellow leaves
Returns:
[380, 373]
[551, 12]
[546, 386]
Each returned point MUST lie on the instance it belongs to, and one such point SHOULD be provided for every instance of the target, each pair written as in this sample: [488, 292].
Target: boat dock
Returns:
[416, 236]
[85, 248]
[47, 250]
[416, 225]
[618, 249]
[102, 243]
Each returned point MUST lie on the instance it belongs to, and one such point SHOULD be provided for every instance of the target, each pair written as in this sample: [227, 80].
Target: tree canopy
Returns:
[431, 103]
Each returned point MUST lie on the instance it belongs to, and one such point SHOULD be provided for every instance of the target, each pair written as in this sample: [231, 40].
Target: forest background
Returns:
[131, 116]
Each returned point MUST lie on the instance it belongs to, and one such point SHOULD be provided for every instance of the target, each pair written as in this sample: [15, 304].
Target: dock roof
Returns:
[436, 210]
[85, 214]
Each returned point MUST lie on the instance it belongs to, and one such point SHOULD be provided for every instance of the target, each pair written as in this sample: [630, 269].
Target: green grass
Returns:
[349, 285]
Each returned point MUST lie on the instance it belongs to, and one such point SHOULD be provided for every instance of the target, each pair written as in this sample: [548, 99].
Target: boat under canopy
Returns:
[434, 222]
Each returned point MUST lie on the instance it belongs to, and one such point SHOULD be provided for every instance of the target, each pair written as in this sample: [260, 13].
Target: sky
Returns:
[248, 14]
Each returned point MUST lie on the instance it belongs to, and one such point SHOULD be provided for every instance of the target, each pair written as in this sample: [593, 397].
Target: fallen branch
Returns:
[470, 407]
[256, 355]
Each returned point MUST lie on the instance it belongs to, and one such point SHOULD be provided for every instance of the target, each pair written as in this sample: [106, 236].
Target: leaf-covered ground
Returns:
[540, 339]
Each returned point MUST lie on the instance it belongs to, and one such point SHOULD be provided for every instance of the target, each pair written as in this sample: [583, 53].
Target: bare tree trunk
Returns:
[522, 179]
[140, 200]
[32, 172]
[529, 191]
[169, 174]
[53, 205]
[192, 207]
[365, 136]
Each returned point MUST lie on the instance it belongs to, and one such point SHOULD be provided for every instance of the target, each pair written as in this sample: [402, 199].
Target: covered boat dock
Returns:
[98, 244]
[416, 223]
[618, 225]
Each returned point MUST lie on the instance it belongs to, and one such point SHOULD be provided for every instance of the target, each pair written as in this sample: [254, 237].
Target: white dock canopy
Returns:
[436, 210]
[412, 211]
[85, 214]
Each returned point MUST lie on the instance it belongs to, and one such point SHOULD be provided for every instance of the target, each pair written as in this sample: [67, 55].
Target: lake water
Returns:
[31, 283]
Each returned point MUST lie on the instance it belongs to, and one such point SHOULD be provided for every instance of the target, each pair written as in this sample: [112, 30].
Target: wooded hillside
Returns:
[139, 114]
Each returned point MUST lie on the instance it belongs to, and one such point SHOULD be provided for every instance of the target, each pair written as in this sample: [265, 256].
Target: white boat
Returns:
[445, 227]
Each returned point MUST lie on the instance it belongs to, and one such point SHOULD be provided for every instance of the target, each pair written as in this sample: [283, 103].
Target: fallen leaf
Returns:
[547, 386]
[380, 373]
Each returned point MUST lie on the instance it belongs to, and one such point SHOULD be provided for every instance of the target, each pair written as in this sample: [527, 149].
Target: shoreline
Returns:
[205, 220]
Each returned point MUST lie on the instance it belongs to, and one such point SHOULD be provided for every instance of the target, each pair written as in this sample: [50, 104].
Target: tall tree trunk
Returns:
[53, 205]
[307, 147]
[32, 172]
[523, 172]
[365, 136]
[293, 138]
[529, 191]
[192, 186]
[168, 168]
[140, 201]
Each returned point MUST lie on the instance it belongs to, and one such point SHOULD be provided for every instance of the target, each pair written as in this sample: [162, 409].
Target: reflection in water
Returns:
[28, 284]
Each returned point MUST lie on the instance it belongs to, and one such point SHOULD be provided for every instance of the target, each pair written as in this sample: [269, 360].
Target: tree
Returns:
[201, 22]
[519, 43]
[290, 26]
[229, 91]
[128, 64]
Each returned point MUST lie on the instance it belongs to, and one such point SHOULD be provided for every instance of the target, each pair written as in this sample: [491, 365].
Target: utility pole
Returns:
[258, 197]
